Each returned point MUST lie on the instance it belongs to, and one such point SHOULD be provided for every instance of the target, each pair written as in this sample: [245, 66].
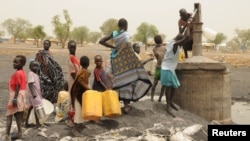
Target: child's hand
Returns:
[14, 102]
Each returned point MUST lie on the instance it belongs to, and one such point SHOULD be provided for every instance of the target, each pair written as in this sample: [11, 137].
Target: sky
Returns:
[222, 16]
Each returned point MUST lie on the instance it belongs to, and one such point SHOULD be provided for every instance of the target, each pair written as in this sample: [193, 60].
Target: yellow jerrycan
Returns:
[111, 104]
[92, 105]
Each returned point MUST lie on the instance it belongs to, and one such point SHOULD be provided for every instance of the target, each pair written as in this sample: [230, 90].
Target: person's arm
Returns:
[103, 84]
[14, 101]
[100, 76]
[104, 40]
[32, 89]
[83, 81]
[146, 61]
[178, 42]
[73, 75]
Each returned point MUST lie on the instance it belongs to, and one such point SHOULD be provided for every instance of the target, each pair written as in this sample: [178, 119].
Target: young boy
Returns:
[17, 96]
[34, 92]
[137, 50]
[99, 83]
[159, 51]
[80, 85]
[168, 76]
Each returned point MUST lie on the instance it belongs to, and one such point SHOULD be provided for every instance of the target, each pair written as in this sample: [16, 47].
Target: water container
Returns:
[92, 105]
[48, 109]
[111, 104]
[181, 55]
[40, 112]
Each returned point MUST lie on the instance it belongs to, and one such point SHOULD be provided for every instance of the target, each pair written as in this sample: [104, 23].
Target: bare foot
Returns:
[29, 125]
[76, 133]
[159, 100]
[16, 136]
[174, 106]
[169, 111]
[127, 109]
[38, 126]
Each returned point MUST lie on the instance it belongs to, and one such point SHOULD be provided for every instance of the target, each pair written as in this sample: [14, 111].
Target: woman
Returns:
[51, 74]
[130, 77]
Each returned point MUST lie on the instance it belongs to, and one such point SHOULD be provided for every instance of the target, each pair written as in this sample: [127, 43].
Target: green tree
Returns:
[220, 37]
[80, 34]
[17, 27]
[94, 36]
[234, 44]
[108, 26]
[1, 33]
[242, 38]
[62, 30]
[37, 34]
[145, 32]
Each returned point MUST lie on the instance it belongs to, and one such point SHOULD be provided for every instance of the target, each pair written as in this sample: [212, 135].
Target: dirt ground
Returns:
[144, 115]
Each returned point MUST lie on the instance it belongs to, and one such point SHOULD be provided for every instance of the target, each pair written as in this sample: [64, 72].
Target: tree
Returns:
[220, 37]
[16, 27]
[94, 36]
[1, 33]
[80, 34]
[37, 34]
[109, 26]
[62, 30]
[242, 38]
[145, 32]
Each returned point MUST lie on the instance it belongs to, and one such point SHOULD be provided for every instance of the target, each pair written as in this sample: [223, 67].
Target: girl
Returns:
[168, 76]
[16, 102]
[34, 91]
[80, 85]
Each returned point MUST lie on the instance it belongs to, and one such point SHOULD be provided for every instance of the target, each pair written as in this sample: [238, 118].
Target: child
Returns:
[99, 83]
[137, 50]
[159, 51]
[34, 92]
[16, 102]
[63, 103]
[73, 67]
[168, 76]
[80, 85]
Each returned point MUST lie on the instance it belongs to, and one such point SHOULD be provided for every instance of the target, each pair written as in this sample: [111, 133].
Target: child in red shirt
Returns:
[16, 103]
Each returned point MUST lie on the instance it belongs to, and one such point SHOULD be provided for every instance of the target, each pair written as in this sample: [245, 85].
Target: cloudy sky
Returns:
[220, 15]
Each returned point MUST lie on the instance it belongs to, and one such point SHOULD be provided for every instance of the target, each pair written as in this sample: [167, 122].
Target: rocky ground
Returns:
[147, 120]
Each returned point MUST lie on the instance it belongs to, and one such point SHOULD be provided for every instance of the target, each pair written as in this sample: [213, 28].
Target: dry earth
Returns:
[146, 116]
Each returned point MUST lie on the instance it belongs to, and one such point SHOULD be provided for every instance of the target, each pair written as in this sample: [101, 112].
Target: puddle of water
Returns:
[240, 112]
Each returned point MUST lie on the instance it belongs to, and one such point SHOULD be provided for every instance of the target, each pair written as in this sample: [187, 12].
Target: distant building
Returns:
[54, 42]
[4, 40]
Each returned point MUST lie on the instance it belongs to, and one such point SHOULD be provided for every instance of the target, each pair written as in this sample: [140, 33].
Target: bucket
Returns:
[181, 55]
[92, 105]
[111, 104]
[48, 109]
[40, 112]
